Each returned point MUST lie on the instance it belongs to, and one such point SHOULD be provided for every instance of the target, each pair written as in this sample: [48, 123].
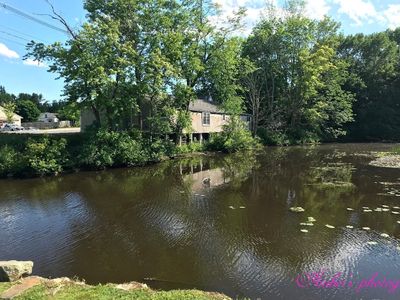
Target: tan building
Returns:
[206, 116]
[3, 118]
[209, 118]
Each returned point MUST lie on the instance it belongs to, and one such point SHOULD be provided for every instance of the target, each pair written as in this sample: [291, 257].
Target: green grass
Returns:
[4, 286]
[102, 292]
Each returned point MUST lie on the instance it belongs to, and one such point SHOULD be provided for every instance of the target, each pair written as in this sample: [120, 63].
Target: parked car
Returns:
[11, 127]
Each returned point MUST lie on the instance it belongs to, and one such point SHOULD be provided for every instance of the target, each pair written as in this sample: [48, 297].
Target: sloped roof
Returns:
[3, 116]
[200, 105]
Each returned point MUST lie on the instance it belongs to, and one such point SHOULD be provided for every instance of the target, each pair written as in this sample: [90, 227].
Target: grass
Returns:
[4, 286]
[86, 292]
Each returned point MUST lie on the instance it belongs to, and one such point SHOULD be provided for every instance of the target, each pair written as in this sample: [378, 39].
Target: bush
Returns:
[10, 161]
[235, 137]
[273, 138]
[110, 148]
[45, 156]
[191, 147]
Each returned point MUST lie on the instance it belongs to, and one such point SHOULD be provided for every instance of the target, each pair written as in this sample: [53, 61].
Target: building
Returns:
[206, 117]
[48, 117]
[3, 118]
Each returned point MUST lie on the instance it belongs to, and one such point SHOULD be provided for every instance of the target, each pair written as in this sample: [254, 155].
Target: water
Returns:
[172, 225]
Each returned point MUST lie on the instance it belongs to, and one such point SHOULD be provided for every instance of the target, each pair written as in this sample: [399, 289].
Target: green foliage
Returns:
[70, 112]
[374, 66]
[9, 110]
[106, 149]
[296, 88]
[191, 148]
[235, 137]
[46, 156]
[10, 161]
[27, 110]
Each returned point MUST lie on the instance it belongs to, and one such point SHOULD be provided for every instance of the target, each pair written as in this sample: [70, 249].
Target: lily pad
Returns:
[329, 226]
[297, 209]
[349, 227]
[366, 228]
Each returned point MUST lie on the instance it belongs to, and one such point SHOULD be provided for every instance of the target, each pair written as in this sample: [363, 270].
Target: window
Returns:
[206, 118]
[223, 117]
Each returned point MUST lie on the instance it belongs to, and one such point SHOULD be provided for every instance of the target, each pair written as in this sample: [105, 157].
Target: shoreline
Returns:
[38, 288]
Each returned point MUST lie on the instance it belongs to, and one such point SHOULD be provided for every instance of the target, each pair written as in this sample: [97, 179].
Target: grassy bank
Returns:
[70, 291]
[29, 156]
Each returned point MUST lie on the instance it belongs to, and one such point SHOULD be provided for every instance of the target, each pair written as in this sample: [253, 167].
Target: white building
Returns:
[48, 117]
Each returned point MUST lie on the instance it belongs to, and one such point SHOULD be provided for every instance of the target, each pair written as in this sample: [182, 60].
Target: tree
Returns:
[374, 79]
[143, 58]
[28, 110]
[70, 112]
[296, 87]
[9, 109]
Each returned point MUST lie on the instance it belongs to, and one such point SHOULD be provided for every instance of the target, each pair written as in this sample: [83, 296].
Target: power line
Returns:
[14, 35]
[28, 16]
[21, 33]
[12, 41]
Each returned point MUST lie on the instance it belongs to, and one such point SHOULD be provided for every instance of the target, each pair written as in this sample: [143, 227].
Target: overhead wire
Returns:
[30, 17]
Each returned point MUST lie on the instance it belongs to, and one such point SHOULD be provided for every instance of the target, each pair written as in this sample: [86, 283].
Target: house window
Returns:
[206, 118]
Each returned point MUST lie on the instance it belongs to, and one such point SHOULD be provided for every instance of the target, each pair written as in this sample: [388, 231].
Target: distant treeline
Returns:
[29, 106]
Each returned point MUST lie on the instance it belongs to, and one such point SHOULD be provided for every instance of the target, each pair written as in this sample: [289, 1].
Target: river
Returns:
[218, 223]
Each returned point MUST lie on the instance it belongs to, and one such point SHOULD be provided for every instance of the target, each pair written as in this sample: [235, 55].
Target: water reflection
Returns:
[217, 223]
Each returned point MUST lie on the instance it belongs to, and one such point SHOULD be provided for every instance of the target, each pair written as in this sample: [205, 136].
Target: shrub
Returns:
[191, 147]
[105, 149]
[11, 162]
[274, 138]
[45, 156]
[235, 137]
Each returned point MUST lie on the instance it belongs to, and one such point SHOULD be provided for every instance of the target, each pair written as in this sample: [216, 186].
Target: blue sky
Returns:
[16, 75]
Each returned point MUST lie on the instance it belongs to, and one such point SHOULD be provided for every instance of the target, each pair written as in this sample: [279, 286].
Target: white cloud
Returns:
[34, 63]
[317, 9]
[5, 51]
[358, 10]
[392, 16]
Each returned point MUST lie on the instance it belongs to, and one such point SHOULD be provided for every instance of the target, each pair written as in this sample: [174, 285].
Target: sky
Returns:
[18, 75]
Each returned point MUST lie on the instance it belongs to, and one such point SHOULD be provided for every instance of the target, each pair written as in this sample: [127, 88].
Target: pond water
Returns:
[218, 223]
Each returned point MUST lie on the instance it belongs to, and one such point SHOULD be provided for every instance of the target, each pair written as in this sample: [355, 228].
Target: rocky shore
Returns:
[15, 283]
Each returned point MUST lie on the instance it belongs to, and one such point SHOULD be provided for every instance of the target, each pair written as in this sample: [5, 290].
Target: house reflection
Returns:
[201, 175]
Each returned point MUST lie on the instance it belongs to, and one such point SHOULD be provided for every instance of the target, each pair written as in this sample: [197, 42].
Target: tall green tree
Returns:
[28, 110]
[374, 69]
[296, 89]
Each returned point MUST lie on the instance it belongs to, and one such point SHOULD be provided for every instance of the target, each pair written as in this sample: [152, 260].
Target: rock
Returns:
[297, 209]
[13, 270]
[131, 286]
